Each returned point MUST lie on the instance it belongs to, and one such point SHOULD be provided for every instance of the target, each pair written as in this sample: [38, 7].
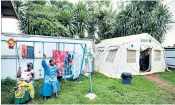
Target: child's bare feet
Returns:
[56, 95]
[45, 98]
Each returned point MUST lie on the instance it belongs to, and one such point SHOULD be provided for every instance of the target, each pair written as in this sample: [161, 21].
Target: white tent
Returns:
[137, 54]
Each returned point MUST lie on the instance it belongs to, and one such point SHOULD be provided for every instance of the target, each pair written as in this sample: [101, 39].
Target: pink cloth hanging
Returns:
[24, 50]
[86, 64]
[59, 57]
[85, 69]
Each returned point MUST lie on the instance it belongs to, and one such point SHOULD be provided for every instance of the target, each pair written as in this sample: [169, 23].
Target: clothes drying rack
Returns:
[83, 46]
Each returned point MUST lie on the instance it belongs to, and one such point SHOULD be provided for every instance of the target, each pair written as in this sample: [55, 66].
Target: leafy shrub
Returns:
[172, 69]
[7, 84]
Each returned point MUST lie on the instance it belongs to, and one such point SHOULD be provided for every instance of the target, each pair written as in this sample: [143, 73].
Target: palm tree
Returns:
[143, 17]
[18, 4]
[82, 17]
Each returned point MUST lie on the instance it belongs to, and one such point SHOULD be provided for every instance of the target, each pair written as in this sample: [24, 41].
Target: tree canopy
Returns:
[143, 17]
[63, 18]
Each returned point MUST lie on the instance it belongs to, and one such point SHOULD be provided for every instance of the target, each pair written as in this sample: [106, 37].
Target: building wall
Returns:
[10, 63]
[9, 25]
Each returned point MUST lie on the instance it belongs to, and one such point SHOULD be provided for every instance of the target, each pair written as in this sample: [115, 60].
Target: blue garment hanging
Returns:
[68, 68]
[30, 52]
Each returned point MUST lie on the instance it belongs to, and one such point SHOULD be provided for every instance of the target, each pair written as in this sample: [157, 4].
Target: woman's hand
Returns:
[44, 56]
[19, 72]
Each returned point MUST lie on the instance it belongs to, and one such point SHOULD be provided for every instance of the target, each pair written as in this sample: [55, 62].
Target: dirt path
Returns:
[160, 82]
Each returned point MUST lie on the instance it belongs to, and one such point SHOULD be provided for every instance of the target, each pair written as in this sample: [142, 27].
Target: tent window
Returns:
[111, 55]
[99, 54]
[157, 55]
[131, 56]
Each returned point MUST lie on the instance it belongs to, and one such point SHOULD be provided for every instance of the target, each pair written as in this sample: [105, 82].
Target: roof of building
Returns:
[41, 36]
[7, 9]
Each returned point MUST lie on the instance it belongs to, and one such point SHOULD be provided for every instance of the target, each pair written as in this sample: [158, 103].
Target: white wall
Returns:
[9, 25]
[9, 65]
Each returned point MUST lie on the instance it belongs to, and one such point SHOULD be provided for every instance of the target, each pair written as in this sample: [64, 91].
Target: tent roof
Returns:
[125, 39]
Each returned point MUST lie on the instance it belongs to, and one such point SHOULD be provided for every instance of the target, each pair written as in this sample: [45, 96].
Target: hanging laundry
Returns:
[68, 64]
[59, 58]
[70, 60]
[90, 55]
[85, 69]
[86, 64]
[76, 65]
[90, 66]
[38, 50]
[30, 52]
[20, 51]
[24, 50]
[90, 59]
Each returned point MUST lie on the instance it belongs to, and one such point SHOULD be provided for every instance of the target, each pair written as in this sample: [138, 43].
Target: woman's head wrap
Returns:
[29, 64]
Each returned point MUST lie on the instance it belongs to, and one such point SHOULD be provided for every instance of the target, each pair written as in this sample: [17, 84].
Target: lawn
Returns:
[108, 91]
[169, 77]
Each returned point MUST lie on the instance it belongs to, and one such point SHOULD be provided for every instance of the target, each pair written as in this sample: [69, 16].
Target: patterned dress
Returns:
[25, 89]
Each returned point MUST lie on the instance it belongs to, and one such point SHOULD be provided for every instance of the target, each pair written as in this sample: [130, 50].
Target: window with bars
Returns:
[157, 55]
[99, 54]
[131, 56]
[111, 55]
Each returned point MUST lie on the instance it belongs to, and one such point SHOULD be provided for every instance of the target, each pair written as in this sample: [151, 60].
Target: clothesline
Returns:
[46, 42]
[83, 46]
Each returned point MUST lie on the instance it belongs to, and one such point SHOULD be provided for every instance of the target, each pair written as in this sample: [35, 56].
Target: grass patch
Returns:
[168, 77]
[108, 91]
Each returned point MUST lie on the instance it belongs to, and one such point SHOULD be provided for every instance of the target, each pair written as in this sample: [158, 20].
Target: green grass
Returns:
[169, 77]
[108, 91]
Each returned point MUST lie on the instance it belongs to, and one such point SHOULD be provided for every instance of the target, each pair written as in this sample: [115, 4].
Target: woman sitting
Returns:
[24, 90]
